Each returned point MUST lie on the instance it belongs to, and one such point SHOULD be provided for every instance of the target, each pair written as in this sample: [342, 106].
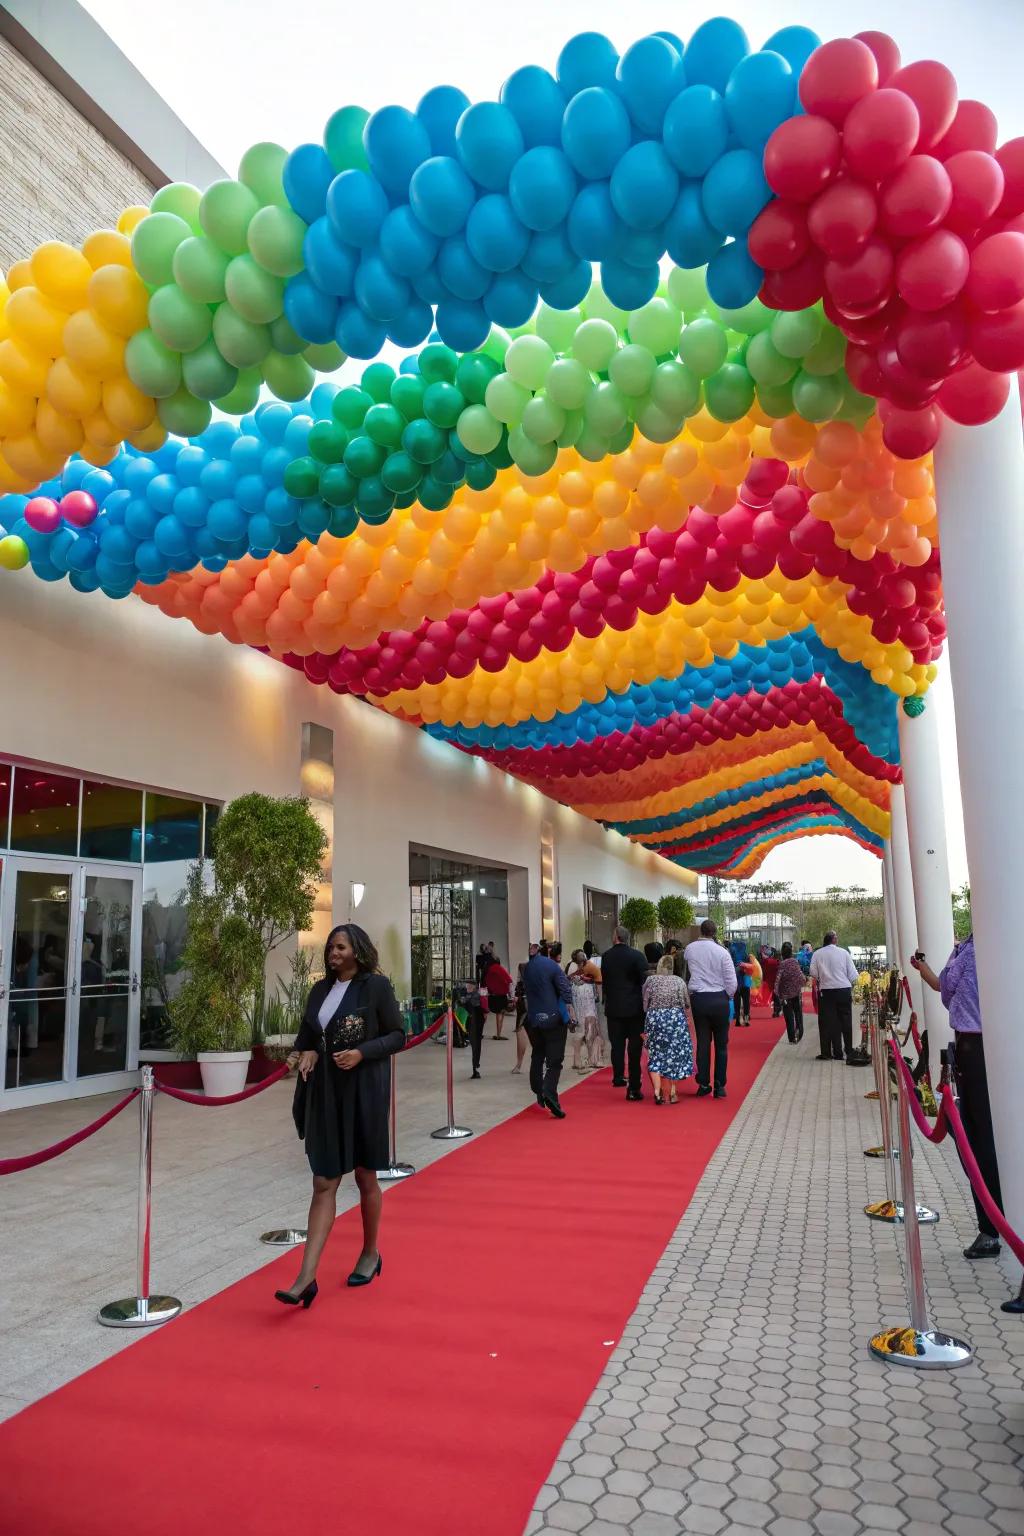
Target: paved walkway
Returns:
[742, 1395]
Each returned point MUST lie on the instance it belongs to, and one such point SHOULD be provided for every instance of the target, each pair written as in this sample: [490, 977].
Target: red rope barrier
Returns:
[227, 1098]
[934, 1133]
[33, 1159]
[425, 1034]
[913, 1015]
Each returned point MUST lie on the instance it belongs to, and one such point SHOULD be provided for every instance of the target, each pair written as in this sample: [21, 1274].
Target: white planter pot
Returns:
[223, 1072]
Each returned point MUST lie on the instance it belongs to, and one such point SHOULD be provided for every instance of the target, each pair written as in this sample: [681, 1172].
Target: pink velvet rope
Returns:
[933, 1133]
[227, 1098]
[33, 1159]
[913, 1015]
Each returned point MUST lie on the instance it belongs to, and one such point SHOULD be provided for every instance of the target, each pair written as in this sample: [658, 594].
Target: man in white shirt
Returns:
[835, 973]
[712, 983]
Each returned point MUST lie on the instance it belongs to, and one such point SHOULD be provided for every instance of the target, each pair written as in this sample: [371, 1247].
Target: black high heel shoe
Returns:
[355, 1278]
[306, 1297]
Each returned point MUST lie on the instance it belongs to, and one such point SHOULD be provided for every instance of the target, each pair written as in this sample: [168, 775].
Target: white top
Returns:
[711, 967]
[332, 1002]
[832, 968]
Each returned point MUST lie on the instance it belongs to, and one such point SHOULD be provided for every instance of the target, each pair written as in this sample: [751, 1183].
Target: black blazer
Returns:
[623, 973]
[375, 998]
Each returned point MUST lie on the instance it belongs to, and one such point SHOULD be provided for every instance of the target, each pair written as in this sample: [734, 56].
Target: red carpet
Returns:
[435, 1401]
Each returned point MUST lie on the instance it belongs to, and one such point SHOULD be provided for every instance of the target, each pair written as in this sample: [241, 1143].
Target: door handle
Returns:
[74, 986]
[135, 982]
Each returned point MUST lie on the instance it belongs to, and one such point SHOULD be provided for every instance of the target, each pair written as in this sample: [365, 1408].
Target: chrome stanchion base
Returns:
[138, 1311]
[396, 1171]
[928, 1350]
[284, 1237]
[892, 1211]
[451, 1133]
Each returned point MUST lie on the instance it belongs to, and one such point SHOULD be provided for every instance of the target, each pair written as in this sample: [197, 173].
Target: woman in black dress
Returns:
[352, 1024]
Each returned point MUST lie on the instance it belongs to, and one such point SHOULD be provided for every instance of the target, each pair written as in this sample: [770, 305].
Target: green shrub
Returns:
[674, 913]
[638, 915]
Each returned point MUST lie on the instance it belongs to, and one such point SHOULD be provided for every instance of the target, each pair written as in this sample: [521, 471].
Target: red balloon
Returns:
[997, 341]
[1011, 162]
[996, 278]
[880, 134]
[770, 532]
[801, 157]
[973, 395]
[887, 55]
[778, 236]
[836, 76]
[901, 385]
[789, 504]
[932, 88]
[841, 218]
[931, 271]
[863, 280]
[755, 562]
[973, 127]
[79, 508]
[866, 329]
[798, 286]
[978, 185]
[863, 371]
[933, 344]
[915, 199]
[911, 434]
[737, 525]
[812, 535]
[765, 477]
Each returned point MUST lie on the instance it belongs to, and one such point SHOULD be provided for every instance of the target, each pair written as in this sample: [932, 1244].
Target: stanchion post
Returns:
[142, 1310]
[450, 1131]
[920, 1344]
[395, 1169]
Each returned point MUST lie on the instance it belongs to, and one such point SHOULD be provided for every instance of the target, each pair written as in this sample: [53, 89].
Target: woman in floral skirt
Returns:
[669, 1047]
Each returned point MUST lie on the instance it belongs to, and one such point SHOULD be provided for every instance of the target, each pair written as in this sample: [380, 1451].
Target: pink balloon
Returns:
[915, 199]
[997, 341]
[978, 184]
[880, 134]
[973, 395]
[42, 514]
[789, 504]
[931, 271]
[911, 434]
[996, 278]
[932, 89]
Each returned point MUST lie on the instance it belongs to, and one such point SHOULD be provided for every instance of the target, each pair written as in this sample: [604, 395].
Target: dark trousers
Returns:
[742, 1004]
[711, 1022]
[976, 1114]
[835, 1021]
[627, 1034]
[546, 1058]
[476, 1034]
[793, 1013]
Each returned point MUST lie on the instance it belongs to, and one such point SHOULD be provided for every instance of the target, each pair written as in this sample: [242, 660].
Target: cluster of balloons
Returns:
[465, 215]
[893, 202]
[746, 862]
[720, 852]
[759, 790]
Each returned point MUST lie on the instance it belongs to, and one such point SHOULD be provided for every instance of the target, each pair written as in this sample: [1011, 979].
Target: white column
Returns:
[892, 943]
[929, 862]
[903, 895]
[980, 490]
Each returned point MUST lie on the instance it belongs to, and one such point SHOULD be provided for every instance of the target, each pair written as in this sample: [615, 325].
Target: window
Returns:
[6, 774]
[111, 822]
[45, 814]
[212, 812]
[173, 828]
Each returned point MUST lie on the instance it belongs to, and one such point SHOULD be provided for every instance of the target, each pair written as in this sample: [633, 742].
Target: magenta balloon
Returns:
[42, 514]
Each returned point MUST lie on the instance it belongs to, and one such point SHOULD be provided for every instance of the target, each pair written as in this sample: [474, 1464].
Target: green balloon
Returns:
[656, 326]
[239, 341]
[384, 424]
[828, 353]
[275, 240]
[338, 486]
[407, 395]
[285, 338]
[776, 399]
[154, 242]
[595, 344]
[374, 502]
[151, 366]
[527, 361]
[675, 390]
[289, 378]
[184, 415]
[632, 370]
[500, 457]
[590, 445]
[765, 364]
[400, 473]
[244, 396]
[532, 458]
[605, 411]
[377, 381]
[301, 477]
[327, 442]
[856, 407]
[443, 404]
[478, 431]
[262, 171]
[424, 442]
[557, 326]
[474, 373]
[178, 321]
[205, 373]
[688, 290]
[256, 295]
[225, 213]
[572, 429]
[506, 400]
[350, 406]
[317, 519]
[343, 139]
[817, 397]
[568, 383]
[657, 425]
[438, 362]
[324, 356]
[749, 320]
[198, 267]
[598, 306]
[729, 393]
[703, 346]
[179, 198]
[543, 420]
[343, 523]
[480, 475]
[794, 332]
[364, 457]
[496, 345]
[621, 440]
[433, 494]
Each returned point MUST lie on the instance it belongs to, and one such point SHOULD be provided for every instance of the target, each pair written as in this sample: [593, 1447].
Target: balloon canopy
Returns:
[642, 507]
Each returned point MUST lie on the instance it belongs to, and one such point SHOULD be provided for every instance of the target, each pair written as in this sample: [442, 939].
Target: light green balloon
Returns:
[765, 364]
[179, 322]
[496, 345]
[557, 326]
[703, 346]
[590, 445]
[569, 434]
[605, 411]
[795, 332]
[286, 339]
[245, 395]
[632, 370]
[657, 425]
[543, 420]
[749, 320]
[478, 430]
[828, 353]
[198, 269]
[729, 393]
[598, 306]
[527, 361]
[343, 139]
[262, 171]
[184, 415]
[568, 383]
[324, 356]
[151, 366]
[595, 344]
[676, 390]
[180, 198]
[226, 210]
[289, 378]
[154, 242]
[257, 295]
[239, 341]
[688, 290]
[656, 326]
[532, 458]
[856, 407]
[817, 397]
[776, 400]
[275, 240]
[205, 373]
[506, 400]
[620, 440]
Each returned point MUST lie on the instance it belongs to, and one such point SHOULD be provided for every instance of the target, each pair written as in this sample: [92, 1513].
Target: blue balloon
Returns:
[650, 75]
[571, 289]
[587, 59]
[628, 287]
[412, 326]
[356, 333]
[541, 187]
[735, 191]
[88, 581]
[644, 185]
[329, 262]
[310, 311]
[60, 548]
[251, 493]
[378, 292]
[190, 507]
[280, 508]
[307, 175]
[357, 206]
[191, 463]
[441, 195]
[246, 455]
[760, 95]
[489, 143]
[495, 236]
[226, 520]
[275, 462]
[429, 288]
[272, 418]
[116, 505]
[536, 103]
[137, 475]
[262, 532]
[459, 271]
[161, 491]
[689, 239]
[596, 132]
[549, 257]
[696, 130]
[405, 245]
[594, 229]
[75, 472]
[297, 435]
[796, 44]
[511, 299]
[171, 536]
[218, 479]
[713, 52]
[219, 438]
[733, 278]
[439, 111]
[463, 326]
[98, 484]
[642, 246]
[396, 142]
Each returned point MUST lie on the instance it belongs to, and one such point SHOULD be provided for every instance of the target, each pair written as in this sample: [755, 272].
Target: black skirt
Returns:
[342, 1117]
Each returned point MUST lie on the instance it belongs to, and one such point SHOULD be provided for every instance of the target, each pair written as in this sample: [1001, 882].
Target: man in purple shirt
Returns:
[957, 985]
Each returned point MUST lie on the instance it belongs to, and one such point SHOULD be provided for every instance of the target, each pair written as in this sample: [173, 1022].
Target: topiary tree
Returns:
[638, 915]
[674, 913]
[223, 959]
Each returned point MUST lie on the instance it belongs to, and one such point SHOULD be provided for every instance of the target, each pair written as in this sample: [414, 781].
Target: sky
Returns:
[240, 71]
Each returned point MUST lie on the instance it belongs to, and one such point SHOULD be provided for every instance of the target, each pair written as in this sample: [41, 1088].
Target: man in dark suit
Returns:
[623, 973]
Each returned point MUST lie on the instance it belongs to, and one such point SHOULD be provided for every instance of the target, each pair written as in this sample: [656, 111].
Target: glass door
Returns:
[37, 931]
[107, 1034]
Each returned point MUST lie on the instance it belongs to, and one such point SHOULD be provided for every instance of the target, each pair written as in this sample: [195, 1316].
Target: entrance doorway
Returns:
[601, 913]
[69, 977]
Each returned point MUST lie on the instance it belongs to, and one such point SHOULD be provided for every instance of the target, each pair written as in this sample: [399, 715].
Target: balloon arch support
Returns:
[644, 509]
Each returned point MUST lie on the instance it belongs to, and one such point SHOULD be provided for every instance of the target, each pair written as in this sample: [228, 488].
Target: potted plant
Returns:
[675, 913]
[266, 859]
[638, 915]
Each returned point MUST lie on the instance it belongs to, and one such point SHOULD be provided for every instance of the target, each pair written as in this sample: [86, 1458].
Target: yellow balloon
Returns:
[62, 273]
[35, 322]
[104, 246]
[58, 434]
[91, 347]
[118, 297]
[70, 391]
[126, 406]
[22, 369]
[17, 411]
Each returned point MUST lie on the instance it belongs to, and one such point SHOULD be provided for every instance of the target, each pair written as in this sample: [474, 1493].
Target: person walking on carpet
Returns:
[623, 973]
[669, 1048]
[583, 978]
[498, 988]
[712, 986]
[744, 975]
[547, 993]
[789, 986]
[351, 1025]
[833, 969]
